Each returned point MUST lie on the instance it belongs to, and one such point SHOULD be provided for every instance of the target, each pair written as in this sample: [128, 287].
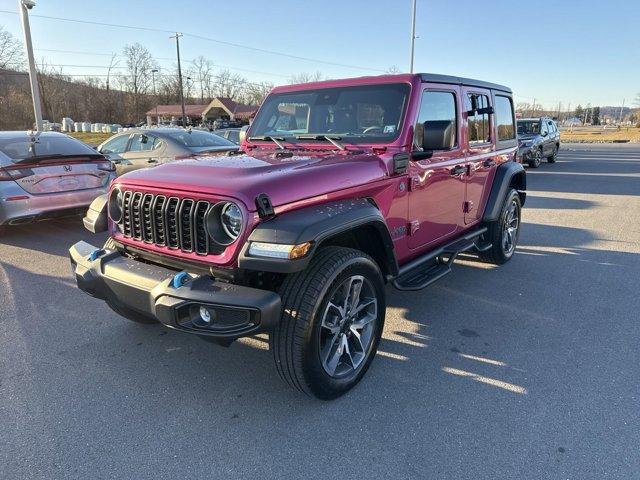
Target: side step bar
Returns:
[425, 270]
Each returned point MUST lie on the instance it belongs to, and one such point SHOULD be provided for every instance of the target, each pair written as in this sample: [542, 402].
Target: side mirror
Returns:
[243, 133]
[544, 134]
[435, 135]
[144, 139]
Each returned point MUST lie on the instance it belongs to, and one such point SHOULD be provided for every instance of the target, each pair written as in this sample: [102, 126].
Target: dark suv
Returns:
[342, 187]
[538, 138]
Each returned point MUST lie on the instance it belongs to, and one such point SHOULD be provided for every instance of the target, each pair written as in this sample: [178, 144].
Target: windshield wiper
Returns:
[54, 156]
[329, 138]
[276, 140]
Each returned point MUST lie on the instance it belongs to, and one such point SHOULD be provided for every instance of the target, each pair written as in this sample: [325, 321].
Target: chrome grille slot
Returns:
[185, 224]
[167, 221]
[147, 226]
[171, 222]
[136, 217]
[200, 235]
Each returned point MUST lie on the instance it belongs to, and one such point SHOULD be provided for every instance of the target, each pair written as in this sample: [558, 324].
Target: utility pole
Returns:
[413, 34]
[155, 95]
[23, 7]
[621, 109]
[184, 116]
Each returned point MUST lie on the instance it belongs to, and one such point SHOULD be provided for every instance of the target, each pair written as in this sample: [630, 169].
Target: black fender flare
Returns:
[508, 175]
[316, 224]
[96, 219]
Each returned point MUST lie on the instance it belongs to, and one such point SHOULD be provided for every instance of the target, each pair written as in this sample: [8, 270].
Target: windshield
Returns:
[24, 147]
[528, 127]
[197, 139]
[361, 114]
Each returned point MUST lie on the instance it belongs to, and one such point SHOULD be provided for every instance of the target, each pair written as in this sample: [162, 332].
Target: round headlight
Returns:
[231, 218]
[116, 199]
[224, 223]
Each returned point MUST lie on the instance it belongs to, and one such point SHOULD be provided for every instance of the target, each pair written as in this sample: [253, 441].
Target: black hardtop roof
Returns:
[468, 82]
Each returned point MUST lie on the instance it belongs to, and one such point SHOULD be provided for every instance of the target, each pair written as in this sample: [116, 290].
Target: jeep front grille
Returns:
[176, 223]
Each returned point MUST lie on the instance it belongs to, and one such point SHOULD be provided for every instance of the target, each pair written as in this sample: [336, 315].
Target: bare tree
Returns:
[11, 54]
[230, 85]
[137, 80]
[305, 77]
[201, 72]
[254, 93]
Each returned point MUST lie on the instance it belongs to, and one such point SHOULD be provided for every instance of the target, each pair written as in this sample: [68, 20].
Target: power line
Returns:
[201, 37]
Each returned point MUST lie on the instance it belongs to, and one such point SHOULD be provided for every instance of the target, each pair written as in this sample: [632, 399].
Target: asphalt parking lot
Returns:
[531, 370]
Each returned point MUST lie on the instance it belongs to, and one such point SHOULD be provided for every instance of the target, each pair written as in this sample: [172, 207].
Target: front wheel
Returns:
[332, 320]
[536, 158]
[503, 233]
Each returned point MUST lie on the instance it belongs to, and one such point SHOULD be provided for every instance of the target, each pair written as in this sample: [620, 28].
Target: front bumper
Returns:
[525, 152]
[137, 289]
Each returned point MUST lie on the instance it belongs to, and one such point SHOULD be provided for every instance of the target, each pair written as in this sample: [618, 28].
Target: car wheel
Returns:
[536, 158]
[503, 233]
[554, 154]
[332, 319]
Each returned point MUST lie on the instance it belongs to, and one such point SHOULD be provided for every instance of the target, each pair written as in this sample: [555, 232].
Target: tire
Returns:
[536, 160]
[510, 214]
[554, 155]
[313, 330]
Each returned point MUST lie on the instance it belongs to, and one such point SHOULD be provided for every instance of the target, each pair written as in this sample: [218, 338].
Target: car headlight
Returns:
[224, 223]
[116, 200]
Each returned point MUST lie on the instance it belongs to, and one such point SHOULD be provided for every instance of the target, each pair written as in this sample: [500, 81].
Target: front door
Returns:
[437, 184]
[139, 153]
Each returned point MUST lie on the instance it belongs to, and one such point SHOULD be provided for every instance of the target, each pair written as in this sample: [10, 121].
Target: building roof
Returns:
[176, 110]
[237, 110]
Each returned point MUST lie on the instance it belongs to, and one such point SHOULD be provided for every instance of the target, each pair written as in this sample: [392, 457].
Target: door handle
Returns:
[488, 163]
[152, 160]
[458, 170]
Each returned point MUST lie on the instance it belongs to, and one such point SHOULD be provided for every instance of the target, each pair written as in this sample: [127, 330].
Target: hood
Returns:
[284, 178]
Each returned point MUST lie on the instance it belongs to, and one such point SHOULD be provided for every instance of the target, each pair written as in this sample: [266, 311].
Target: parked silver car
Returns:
[48, 174]
[231, 134]
[141, 148]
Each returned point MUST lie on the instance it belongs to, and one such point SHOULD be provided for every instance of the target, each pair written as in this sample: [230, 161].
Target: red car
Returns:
[342, 187]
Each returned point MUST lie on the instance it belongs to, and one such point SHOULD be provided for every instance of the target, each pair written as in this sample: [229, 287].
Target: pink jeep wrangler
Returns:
[340, 188]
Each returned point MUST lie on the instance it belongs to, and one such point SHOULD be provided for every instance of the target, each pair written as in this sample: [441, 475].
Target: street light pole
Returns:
[413, 35]
[23, 7]
[155, 95]
[184, 116]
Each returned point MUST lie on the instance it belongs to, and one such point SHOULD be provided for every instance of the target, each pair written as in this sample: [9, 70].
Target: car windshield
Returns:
[198, 140]
[23, 147]
[360, 114]
[528, 127]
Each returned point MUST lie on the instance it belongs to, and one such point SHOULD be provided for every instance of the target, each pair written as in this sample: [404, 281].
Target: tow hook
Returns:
[180, 279]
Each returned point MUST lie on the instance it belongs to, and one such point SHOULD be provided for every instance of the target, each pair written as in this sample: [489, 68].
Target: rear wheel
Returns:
[332, 320]
[536, 158]
[503, 233]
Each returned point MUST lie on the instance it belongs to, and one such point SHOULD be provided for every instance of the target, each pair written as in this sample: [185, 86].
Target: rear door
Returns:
[437, 184]
[479, 149]
[141, 152]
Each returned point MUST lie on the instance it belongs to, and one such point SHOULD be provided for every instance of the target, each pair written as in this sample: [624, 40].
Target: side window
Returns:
[504, 118]
[478, 124]
[552, 127]
[141, 143]
[438, 115]
[544, 129]
[115, 145]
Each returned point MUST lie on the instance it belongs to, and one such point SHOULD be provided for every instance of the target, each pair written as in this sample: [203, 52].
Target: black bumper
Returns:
[134, 288]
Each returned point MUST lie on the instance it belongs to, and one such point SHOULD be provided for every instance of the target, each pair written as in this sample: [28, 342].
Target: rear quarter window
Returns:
[504, 118]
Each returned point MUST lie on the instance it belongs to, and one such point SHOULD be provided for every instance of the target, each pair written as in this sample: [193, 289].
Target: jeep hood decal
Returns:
[284, 178]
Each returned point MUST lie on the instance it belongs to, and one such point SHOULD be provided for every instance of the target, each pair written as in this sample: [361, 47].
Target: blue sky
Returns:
[571, 51]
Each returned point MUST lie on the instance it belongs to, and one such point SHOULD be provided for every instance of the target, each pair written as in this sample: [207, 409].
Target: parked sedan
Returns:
[231, 134]
[140, 148]
[538, 138]
[48, 174]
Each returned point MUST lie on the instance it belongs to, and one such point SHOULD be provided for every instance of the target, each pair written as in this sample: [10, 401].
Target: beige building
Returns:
[218, 108]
